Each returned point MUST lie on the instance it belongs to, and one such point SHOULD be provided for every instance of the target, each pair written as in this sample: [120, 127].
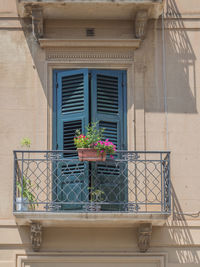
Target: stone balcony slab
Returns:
[91, 9]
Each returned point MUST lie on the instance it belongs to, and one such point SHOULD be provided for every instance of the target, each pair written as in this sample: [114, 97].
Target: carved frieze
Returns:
[92, 55]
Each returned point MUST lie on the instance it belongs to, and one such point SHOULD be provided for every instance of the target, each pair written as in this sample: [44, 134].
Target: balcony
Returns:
[89, 23]
[133, 187]
[91, 9]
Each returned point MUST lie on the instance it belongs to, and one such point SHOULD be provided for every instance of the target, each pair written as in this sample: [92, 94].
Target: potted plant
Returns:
[91, 146]
[26, 199]
[97, 196]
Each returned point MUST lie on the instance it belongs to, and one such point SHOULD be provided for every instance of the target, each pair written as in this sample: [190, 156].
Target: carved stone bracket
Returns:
[36, 236]
[144, 236]
[141, 24]
[37, 22]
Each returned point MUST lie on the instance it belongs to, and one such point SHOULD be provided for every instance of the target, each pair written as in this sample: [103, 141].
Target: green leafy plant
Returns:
[94, 139]
[26, 191]
[97, 195]
[26, 142]
[26, 188]
[87, 141]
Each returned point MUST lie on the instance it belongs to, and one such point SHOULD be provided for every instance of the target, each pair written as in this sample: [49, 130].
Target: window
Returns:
[83, 96]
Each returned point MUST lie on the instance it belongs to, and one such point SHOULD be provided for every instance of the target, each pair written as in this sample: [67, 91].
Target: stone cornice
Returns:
[123, 43]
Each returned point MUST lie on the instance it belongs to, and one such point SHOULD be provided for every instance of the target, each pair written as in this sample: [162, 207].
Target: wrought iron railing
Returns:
[56, 181]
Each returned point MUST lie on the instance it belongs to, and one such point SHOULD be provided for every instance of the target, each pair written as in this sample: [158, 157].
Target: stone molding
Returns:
[91, 55]
[59, 259]
[57, 219]
[81, 43]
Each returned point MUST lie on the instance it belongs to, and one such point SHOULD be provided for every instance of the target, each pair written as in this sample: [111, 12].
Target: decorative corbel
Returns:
[37, 22]
[144, 236]
[36, 236]
[141, 24]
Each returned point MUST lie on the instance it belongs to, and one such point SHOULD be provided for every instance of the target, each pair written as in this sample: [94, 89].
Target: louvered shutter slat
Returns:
[72, 94]
[107, 94]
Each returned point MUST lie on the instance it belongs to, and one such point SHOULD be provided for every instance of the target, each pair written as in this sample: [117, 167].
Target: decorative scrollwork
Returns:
[130, 156]
[53, 155]
[132, 207]
[53, 207]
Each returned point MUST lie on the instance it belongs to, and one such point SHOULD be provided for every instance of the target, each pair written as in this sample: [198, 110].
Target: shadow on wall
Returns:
[180, 234]
[180, 66]
[37, 54]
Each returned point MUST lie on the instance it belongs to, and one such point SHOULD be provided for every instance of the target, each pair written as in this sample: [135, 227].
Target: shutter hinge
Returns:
[56, 146]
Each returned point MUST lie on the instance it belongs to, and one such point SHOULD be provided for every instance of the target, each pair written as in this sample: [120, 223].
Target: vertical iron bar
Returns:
[145, 182]
[169, 183]
[48, 180]
[22, 175]
[161, 189]
[136, 183]
[14, 183]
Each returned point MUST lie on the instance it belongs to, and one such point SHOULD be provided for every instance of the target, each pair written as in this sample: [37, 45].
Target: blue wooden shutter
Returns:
[72, 113]
[109, 109]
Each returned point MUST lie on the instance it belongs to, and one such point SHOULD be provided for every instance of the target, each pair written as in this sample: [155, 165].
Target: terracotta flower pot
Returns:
[90, 154]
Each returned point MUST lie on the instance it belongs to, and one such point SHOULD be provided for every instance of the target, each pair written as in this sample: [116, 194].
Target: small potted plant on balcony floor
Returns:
[97, 196]
[91, 146]
[26, 200]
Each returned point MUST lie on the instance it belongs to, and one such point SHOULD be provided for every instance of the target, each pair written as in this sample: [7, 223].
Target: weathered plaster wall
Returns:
[23, 112]
[23, 105]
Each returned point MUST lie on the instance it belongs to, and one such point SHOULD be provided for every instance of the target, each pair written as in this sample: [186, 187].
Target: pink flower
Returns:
[111, 156]
[101, 151]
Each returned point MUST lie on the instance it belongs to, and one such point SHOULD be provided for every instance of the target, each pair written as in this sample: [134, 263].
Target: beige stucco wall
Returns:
[24, 112]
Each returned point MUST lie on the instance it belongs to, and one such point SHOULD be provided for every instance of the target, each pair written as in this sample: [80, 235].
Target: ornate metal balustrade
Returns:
[56, 181]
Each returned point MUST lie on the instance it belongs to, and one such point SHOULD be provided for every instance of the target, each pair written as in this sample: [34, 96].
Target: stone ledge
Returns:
[93, 9]
[56, 219]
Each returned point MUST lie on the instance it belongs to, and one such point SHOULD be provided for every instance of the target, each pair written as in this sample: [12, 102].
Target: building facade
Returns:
[132, 66]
